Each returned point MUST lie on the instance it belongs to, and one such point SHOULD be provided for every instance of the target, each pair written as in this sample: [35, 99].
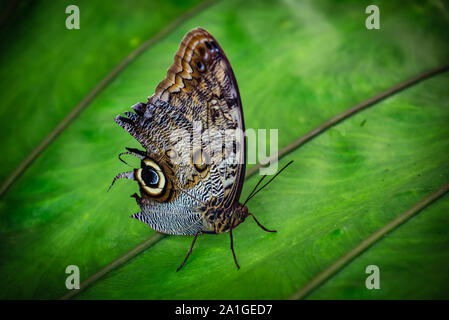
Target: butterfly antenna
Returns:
[254, 189]
[253, 193]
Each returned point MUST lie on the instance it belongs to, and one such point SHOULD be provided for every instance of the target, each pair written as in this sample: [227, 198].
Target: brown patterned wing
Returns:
[200, 98]
[202, 85]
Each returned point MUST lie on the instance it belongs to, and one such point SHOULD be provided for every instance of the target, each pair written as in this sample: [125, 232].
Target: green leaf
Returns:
[297, 64]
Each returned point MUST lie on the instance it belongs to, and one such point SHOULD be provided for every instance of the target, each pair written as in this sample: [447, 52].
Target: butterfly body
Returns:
[220, 220]
[192, 170]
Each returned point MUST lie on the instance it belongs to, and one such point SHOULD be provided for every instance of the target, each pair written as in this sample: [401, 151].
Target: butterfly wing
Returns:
[199, 101]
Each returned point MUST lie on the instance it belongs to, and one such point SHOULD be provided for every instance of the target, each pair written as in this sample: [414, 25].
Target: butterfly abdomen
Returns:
[221, 219]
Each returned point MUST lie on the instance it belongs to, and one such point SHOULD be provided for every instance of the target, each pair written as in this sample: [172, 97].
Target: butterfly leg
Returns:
[190, 250]
[232, 248]
[260, 225]
[124, 175]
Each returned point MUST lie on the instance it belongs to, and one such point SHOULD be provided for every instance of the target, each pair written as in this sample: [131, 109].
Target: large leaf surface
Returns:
[296, 66]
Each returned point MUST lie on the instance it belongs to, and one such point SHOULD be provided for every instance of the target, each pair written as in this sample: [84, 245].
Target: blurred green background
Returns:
[298, 63]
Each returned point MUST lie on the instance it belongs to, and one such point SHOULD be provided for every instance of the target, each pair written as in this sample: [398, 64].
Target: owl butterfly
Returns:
[193, 166]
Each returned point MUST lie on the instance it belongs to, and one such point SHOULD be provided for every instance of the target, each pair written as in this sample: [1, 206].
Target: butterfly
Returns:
[191, 186]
